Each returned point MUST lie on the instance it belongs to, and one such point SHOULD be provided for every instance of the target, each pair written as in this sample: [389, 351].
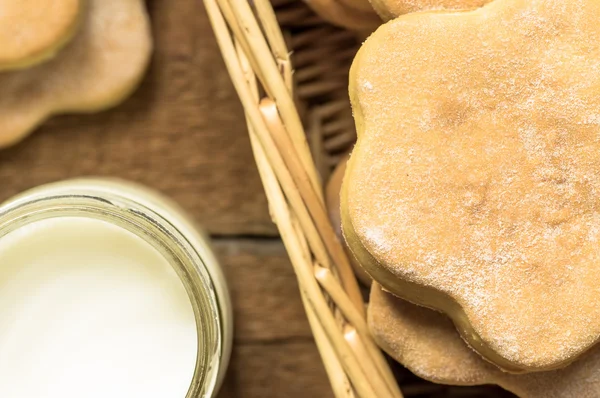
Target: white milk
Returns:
[88, 309]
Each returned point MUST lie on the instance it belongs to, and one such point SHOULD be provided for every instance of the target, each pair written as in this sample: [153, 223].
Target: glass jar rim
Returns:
[158, 231]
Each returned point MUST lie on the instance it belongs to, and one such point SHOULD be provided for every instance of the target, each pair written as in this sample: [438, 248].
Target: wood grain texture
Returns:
[274, 353]
[264, 291]
[289, 369]
[182, 133]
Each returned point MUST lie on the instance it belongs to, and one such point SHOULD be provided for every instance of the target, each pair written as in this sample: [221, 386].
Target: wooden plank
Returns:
[182, 132]
[287, 369]
[264, 291]
[274, 353]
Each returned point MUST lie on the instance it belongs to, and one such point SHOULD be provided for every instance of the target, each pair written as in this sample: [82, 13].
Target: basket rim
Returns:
[252, 42]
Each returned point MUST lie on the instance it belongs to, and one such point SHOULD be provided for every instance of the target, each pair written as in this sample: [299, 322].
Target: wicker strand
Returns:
[330, 285]
[299, 148]
[339, 381]
[259, 125]
[316, 209]
[335, 371]
[282, 187]
[275, 39]
[272, 80]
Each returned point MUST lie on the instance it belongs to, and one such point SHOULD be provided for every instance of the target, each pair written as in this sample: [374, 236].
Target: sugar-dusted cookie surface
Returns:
[390, 9]
[474, 187]
[97, 69]
[33, 30]
[427, 343]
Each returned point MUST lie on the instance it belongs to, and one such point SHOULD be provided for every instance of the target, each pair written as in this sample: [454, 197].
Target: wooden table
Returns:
[183, 134]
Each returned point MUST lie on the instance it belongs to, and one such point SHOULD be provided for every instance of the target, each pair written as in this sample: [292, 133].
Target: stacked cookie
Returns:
[356, 15]
[367, 15]
[472, 191]
[390, 9]
[67, 56]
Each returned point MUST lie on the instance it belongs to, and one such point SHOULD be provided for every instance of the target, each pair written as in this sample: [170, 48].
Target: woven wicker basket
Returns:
[290, 69]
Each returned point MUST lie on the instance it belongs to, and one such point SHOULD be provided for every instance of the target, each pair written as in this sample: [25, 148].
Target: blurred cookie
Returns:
[98, 69]
[32, 31]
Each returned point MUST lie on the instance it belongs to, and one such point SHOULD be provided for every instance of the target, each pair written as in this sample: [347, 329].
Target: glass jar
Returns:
[162, 224]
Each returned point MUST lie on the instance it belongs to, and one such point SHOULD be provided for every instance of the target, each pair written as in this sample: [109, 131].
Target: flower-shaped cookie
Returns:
[97, 69]
[474, 187]
[34, 30]
[427, 343]
[390, 9]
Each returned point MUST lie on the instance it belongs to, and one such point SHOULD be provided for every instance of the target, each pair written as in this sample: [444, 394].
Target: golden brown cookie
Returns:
[98, 69]
[34, 30]
[474, 185]
[340, 13]
[427, 343]
[390, 9]
[332, 197]
[360, 5]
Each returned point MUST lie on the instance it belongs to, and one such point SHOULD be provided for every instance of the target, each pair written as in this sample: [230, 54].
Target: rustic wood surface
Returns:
[274, 353]
[183, 133]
